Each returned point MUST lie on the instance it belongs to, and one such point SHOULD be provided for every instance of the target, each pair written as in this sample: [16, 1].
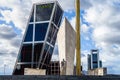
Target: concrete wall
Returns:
[66, 47]
[30, 71]
[98, 71]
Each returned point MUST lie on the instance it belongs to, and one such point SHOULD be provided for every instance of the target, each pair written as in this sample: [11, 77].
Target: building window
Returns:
[26, 53]
[32, 16]
[29, 33]
[95, 58]
[48, 52]
[37, 51]
[43, 12]
[40, 31]
[52, 34]
[95, 65]
[57, 16]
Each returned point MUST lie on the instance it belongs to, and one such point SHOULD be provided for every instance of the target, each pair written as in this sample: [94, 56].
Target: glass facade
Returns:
[32, 16]
[95, 65]
[95, 57]
[37, 51]
[52, 34]
[29, 37]
[43, 12]
[95, 60]
[89, 62]
[57, 16]
[40, 37]
[40, 31]
[26, 53]
[100, 62]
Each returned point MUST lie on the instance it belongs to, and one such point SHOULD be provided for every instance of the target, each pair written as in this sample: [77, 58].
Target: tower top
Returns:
[47, 2]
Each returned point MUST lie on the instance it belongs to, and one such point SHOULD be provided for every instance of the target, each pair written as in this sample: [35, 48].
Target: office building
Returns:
[100, 64]
[66, 47]
[95, 65]
[89, 61]
[40, 36]
[93, 60]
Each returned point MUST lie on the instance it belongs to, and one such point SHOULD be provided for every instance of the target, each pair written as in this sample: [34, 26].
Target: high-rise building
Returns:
[66, 48]
[100, 64]
[93, 60]
[89, 61]
[40, 37]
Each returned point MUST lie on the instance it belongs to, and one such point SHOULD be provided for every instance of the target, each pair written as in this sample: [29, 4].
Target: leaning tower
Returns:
[39, 38]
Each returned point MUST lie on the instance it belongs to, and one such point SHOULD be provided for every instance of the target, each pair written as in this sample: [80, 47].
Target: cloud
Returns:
[104, 19]
[9, 44]
[18, 13]
[85, 4]
[6, 32]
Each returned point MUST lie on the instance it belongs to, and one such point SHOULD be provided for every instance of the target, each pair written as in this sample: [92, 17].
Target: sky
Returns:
[100, 29]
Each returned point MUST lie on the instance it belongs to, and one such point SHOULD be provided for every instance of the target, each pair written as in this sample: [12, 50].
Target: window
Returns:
[48, 52]
[37, 51]
[45, 52]
[43, 12]
[40, 31]
[95, 65]
[32, 16]
[47, 59]
[26, 53]
[52, 34]
[94, 56]
[54, 38]
[29, 33]
[51, 50]
[57, 16]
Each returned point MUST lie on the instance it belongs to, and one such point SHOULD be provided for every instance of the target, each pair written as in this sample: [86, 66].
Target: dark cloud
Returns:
[6, 32]
[2, 54]
[16, 42]
[13, 54]
[115, 25]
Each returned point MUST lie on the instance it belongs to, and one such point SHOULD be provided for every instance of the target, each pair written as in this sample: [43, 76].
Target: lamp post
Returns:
[78, 42]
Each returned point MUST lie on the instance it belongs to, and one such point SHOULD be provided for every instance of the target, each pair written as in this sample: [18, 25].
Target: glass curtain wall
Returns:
[40, 37]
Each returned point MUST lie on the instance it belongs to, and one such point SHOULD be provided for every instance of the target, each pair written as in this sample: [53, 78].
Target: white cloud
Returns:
[9, 45]
[17, 12]
[104, 19]
[85, 4]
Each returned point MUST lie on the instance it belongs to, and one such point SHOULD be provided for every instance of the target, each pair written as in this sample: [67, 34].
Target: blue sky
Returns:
[100, 29]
